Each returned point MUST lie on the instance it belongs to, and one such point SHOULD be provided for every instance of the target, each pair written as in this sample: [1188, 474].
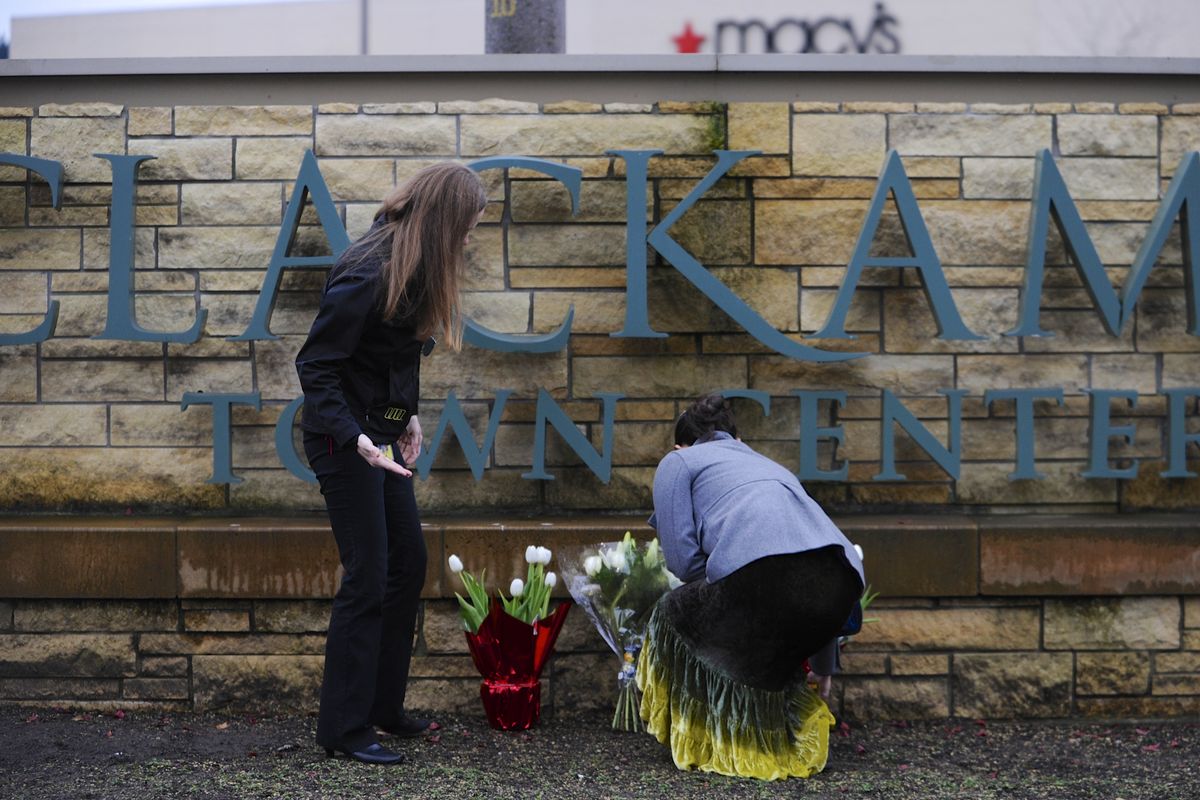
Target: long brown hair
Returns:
[427, 218]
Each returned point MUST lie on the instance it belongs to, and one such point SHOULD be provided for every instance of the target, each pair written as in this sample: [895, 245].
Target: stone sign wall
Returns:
[88, 423]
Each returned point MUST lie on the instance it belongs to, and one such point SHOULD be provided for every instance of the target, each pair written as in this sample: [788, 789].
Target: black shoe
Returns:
[407, 728]
[371, 754]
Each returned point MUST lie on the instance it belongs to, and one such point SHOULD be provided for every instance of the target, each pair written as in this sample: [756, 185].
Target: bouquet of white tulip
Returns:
[617, 585]
[511, 642]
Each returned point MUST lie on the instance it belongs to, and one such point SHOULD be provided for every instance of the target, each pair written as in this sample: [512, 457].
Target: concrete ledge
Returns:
[295, 558]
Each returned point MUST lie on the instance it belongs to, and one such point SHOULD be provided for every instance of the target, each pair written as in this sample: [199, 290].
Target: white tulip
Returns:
[551, 579]
[543, 554]
[456, 565]
[531, 555]
[858, 549]
[615, 559]
[591, 565]
[517, 587]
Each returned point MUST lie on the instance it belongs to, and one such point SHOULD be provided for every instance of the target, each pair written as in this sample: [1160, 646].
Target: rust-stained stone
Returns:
[86, 558]
[269, 558]
[1108, 673]
[1012, 685]
[1082, 555]
[900, 554]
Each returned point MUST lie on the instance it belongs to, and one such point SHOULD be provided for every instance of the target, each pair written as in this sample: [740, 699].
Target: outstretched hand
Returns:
[376, 457]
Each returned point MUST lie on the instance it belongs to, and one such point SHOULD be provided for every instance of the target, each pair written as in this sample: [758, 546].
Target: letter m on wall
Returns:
[1051, 200]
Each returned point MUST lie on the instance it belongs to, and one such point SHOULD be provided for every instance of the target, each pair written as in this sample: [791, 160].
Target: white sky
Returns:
[46, 8]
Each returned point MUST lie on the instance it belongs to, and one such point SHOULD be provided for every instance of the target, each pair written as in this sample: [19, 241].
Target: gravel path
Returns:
[55, 753]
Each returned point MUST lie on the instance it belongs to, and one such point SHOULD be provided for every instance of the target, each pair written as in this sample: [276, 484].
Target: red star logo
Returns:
[688, 41]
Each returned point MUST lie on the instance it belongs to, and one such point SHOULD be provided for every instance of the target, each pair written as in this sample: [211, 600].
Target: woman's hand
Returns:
[410, 441]
[824, 684]
[375, 457]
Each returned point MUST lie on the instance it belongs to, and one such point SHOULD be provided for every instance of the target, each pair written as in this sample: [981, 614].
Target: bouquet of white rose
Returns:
[617, 585]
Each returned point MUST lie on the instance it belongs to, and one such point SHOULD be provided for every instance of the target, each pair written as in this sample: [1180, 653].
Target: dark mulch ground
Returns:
[54, 753]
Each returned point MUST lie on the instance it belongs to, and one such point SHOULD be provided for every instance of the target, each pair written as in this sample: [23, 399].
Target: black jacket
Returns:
[360, 373]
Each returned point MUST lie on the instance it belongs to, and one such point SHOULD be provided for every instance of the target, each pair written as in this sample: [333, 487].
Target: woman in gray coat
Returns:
[769, 581]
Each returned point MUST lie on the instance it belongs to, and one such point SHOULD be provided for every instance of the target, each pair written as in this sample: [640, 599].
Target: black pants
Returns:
[757, 624]
[378, 531]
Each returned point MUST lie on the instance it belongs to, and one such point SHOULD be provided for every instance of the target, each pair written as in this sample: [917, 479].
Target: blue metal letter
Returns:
[52, 172]
[222, 428]
[121, 322]
[1101, 430]
[1052, 200]
[811, 434]
[1024, 410]
[548, 411]
[310, 184]
[893, 179]
[479, 336]
[894, 411]
[453, 417]
[285, 447]
[1177, 436]
[637, 323]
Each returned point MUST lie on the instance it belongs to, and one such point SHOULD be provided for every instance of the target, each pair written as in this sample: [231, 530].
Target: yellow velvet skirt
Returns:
[716, 724]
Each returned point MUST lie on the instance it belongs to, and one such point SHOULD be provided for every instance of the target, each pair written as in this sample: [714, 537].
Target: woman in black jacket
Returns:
[386, 298]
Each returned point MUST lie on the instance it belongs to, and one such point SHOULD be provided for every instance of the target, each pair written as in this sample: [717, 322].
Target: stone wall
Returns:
[96, 424]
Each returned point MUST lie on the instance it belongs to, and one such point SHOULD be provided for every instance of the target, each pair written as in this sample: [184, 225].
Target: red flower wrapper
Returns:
[510, 654]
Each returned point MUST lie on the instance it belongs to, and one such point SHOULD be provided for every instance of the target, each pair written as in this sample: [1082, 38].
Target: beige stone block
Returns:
[155, 689]
[838, 145]
[291, 616]
[456, 491]
[243, 120]
[655, 376]
[1143, 108]
[1122, 371]
[216, 620]
[638, 443]
[909, 325]
[1176, 685]
[989, 484]
[571, 107]
[80, 692]
[806, 232]
[12, 206]
[567, 278]
[944, 108]
[815, 107]
[877, 107]
[96, 253]
[236, 247]
[23, 292]
[394, 108]
[1179, 370]
[484, 256]
[239, 682]
[478, 373]
[998, 178]
[902, 374]
[714, 232]
[414, 135]
[1108, 135]
[1177, 662]
[1012, 685]
[271, 159]
[80, 110]
[566, 245]
[85, 315]
[101, 381]
[204, 375]
[723, 189]
[980, 373]
[1112, 673]
[1111, 178]
[359, 178]
[595, 312]
[223, 644]
[1078, 332]
[156, 216]
[579, 489]
[950, 135]
[1001, 108]
[890, 698]
[1180, 136]
[1095, 108]
[976, 232]
[185, 159]
[549, 201]
[159, 425]
[442, 628]
[1133, 623]
[816, 305]
[91, 655]
[68, 216]
[855, 662]
[275, 367]
[506, 312]
[920, 664]
[1191, 612]
[583, 135]
[39, 250]
[759, 126]
[271, 491]
[492, 105]
[231, 204]
[16, 111]
[985, 628]
[814, 188]
[52, 425]
[19, 365]
[164, 667]
[73, 140]
[151, 120]
[94, 616]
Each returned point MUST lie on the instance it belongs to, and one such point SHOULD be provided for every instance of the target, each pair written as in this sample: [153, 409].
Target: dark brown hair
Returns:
[426, 220]
[709, 414]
